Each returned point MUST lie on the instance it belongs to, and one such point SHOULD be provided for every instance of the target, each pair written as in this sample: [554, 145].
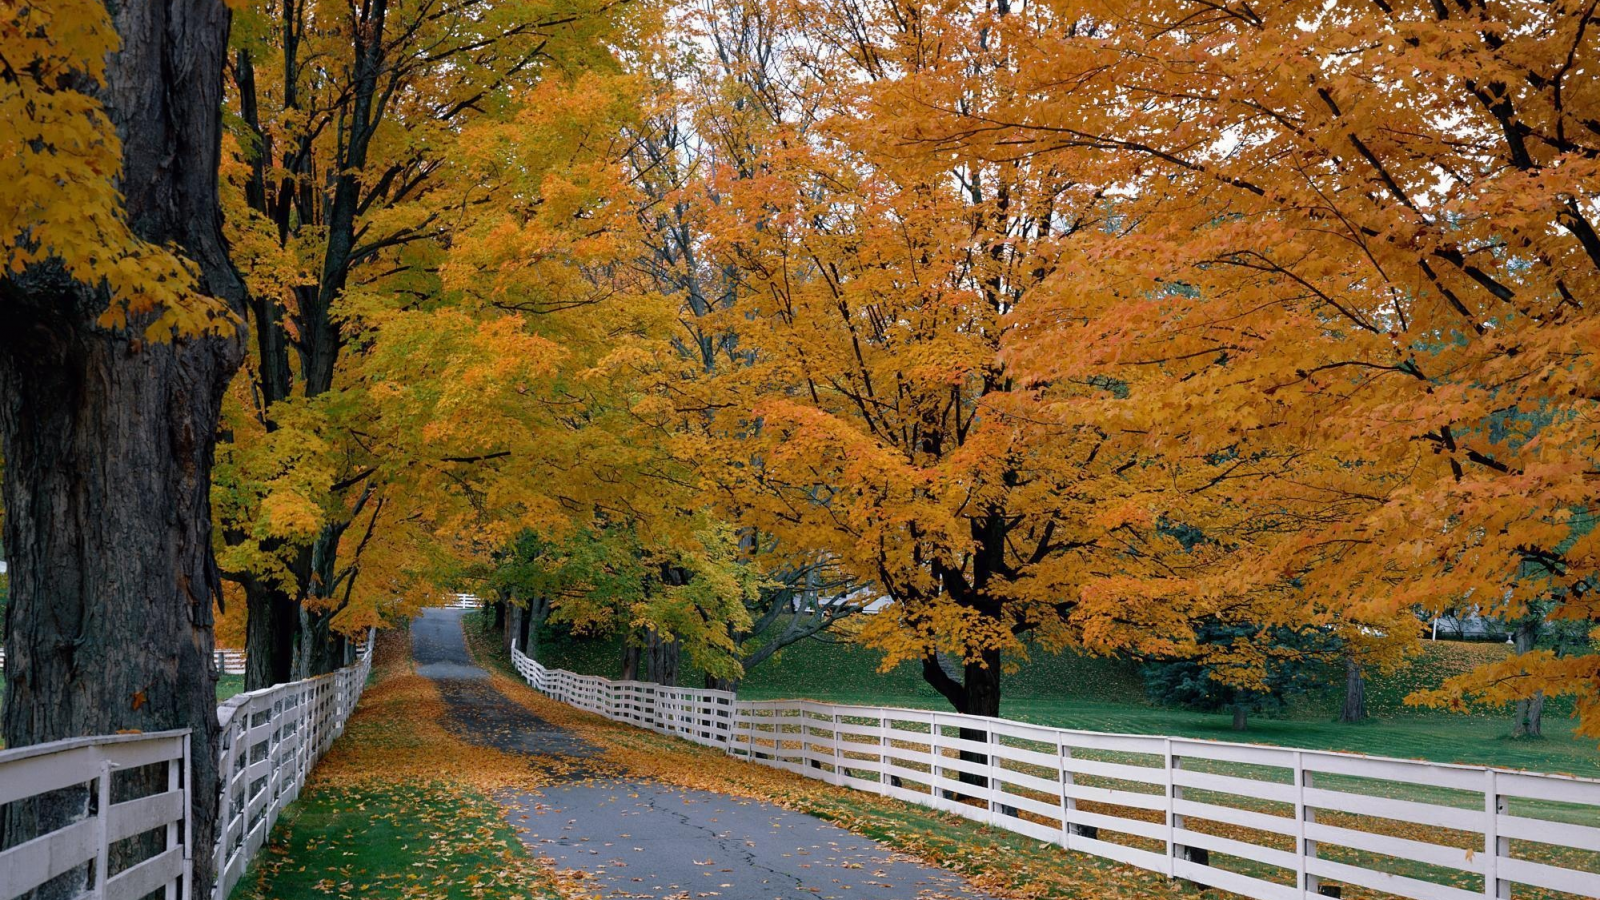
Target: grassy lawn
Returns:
[1095, 694]
[228, 686]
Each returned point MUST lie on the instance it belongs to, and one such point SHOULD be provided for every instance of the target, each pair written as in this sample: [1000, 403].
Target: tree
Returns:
[804, 591]
[1528, 712]
[1362, 233]
[1243, 668]
[666, 601]
[1354, 708]
[117, 338]
[359, 132]
[800, 600]
[874, 414]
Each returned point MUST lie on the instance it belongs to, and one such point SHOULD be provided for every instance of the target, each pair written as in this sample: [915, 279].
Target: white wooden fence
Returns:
[1270, 823]
[228, 662]
[94, 762]
[270, 740]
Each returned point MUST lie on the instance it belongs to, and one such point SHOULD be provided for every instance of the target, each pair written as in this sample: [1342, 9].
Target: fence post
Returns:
[995, 806]
[186, 775]
[170, 889]
[838, 750]
[1494, 846]
[1063, 781]
[224, 804]
[102, 824]
[1305, 815]
[1174, 821]
[884, 751]
[936, 754]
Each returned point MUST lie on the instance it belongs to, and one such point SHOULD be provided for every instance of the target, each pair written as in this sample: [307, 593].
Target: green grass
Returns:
[390, 841]
[228, 686]
[1096, 694]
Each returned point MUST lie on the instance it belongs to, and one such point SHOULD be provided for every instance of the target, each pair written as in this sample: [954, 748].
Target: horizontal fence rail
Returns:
[123, 800]
[1271, 823]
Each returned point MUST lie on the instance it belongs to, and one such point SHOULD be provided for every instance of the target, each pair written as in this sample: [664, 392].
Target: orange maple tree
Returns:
[1359, 234]
[857, 397]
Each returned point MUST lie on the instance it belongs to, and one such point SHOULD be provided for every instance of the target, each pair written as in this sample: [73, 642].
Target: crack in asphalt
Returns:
[742, 851]
[677, 835]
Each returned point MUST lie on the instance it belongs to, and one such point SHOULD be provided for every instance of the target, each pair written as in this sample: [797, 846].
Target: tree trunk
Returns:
[108, 444]
[272, 623]
[981, 685]
[1527, 715]
[977, 693]
[316, 652]
[661, 659]
[499, 616]
[1355, 692]
[1241, 717]
[1535, 719]
[528, 633]
[513, 629]
[630, 661]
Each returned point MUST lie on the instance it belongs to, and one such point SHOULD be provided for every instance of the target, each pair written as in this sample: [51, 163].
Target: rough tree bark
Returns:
[661, 659]
[532, 618]
[975, 693]
[108, 443]
[318, 652]
[1355, 692]
[272, 622]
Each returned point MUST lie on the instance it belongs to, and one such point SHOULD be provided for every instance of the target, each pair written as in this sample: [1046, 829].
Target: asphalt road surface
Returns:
[641, 839]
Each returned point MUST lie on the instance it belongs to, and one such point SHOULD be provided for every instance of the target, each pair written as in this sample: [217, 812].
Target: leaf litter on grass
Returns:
[401, 808]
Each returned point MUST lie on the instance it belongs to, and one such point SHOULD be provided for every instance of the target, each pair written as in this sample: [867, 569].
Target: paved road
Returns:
[641, 839]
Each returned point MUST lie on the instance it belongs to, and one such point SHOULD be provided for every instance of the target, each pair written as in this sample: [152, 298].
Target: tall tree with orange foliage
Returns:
[874, 413]
[1364, 233]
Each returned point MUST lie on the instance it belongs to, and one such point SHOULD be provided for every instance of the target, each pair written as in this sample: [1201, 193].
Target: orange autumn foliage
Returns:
[1358, 236]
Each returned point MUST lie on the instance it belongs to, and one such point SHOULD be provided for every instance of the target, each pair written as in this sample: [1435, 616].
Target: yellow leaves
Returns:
[59, 161]
[291, 514]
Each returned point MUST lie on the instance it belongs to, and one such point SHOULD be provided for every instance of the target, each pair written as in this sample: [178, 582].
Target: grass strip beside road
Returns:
[401, 809]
